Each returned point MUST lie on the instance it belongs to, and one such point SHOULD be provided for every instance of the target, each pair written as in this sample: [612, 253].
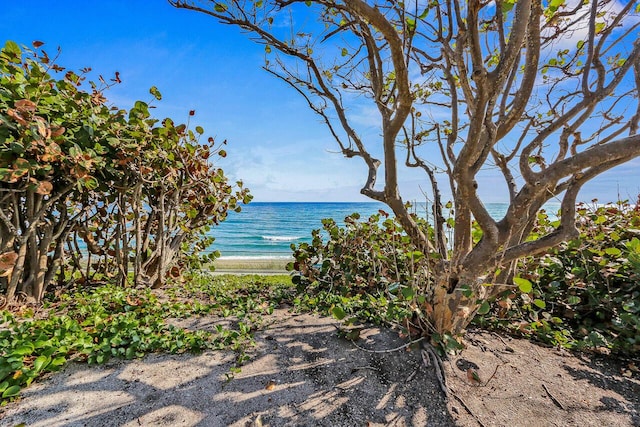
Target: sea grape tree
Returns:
[91, 191]
[46, 157]
[545, 91]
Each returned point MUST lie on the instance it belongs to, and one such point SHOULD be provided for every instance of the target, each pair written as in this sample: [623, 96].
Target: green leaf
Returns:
[573, 300]
[90, 183]
[416, 256]
[155, 92]
[555, 4]
[58, 361]
[13, 50]
[411, 24]
[524, 285]
[199, 130]
[23, 350]
[14, 390]
[345, 52]
[601, 219]
[130, 353]
[408, 293]
[338, 312]
[267, 48]
[507, 5]
[466, 291]
[220, 7]
[484, 308]
[41, 362]
[539, 303]
[613, 251]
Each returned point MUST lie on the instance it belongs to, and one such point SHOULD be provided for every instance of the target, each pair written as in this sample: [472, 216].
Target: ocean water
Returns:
[267, 230]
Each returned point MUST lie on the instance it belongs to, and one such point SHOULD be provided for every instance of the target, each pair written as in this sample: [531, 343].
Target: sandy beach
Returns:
[251, 265]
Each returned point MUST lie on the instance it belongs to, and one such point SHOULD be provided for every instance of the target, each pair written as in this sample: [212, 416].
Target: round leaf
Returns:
[539, 303]
[41, 362]
[524, 285]
[484, 308]
[613, 251]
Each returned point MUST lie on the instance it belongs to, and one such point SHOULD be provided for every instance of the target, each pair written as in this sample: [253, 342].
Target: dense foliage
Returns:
[361, 256]
[90, 192]
[584, 293]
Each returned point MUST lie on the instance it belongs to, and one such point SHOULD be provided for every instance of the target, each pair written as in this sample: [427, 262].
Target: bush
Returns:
[363, 256]
[590, 286]
[367, 271]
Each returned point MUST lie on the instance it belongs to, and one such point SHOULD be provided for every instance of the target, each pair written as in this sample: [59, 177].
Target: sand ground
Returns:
[301, 373]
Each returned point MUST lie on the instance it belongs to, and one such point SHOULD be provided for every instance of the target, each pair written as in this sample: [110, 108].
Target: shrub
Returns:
[363, 256]
[96, 324]
[367, 270]
[589, 287]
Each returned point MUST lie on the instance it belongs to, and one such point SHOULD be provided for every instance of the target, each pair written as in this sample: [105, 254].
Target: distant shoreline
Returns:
[252, 265]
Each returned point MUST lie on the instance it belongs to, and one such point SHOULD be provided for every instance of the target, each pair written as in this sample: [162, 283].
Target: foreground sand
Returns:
[302, 374]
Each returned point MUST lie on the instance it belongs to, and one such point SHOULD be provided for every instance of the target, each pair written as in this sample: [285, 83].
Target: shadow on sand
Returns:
[300, 374]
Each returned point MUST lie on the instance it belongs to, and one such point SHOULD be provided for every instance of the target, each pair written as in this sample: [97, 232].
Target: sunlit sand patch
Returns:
[322, 404]
[88, 376]
[173, 415]
[169, 373]
[85, 404]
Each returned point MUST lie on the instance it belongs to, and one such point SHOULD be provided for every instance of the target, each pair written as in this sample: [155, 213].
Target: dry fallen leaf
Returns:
[271, 385]
[473, 376]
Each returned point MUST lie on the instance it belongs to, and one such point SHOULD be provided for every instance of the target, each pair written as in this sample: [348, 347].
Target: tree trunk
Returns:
[39, 284]
[453, 311]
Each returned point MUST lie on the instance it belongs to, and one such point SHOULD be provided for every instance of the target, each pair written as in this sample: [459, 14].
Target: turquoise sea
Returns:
[267, 230]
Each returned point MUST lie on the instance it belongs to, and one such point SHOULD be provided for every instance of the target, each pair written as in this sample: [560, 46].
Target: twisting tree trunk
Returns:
[546, 92]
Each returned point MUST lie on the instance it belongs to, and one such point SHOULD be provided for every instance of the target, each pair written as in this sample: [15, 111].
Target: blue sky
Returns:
[276, 145]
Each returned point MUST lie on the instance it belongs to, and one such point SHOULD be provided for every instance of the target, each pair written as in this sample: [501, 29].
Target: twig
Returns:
[492, 375]
[507, 347]
[387, 351]
[556, 401]
[475, 417]
[428, 355]
[363, 367]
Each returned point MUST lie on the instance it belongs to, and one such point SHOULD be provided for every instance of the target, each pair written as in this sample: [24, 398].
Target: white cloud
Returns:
[581, 27]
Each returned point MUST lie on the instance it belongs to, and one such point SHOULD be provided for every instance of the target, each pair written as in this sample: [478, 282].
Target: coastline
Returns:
[251, 265]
